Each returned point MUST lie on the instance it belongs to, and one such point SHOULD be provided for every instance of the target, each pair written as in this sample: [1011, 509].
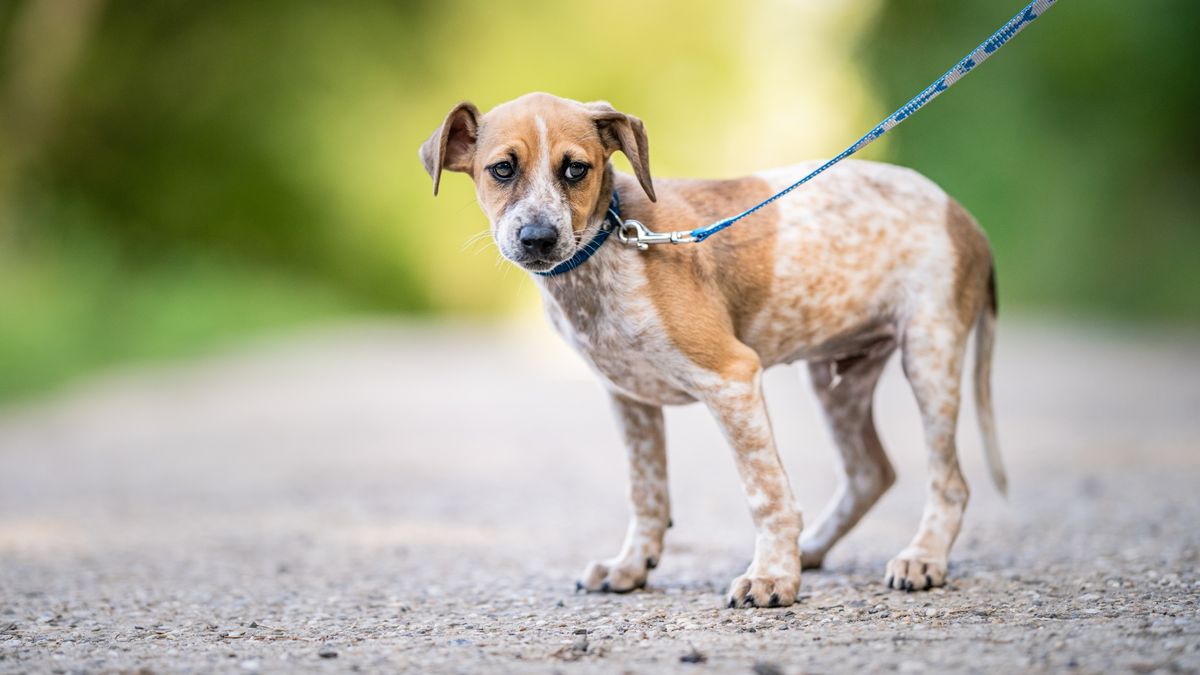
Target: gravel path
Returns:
[372, 498]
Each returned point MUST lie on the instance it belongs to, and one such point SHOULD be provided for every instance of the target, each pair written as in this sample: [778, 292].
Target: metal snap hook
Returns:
[634, 233]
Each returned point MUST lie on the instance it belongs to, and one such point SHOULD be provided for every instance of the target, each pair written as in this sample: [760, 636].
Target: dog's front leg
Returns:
[642, 427]
[773, 579]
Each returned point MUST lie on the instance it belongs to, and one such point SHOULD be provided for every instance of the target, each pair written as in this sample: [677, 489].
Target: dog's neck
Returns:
[611, 263]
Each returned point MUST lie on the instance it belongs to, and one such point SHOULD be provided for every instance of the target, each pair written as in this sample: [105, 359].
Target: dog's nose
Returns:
[537, 239]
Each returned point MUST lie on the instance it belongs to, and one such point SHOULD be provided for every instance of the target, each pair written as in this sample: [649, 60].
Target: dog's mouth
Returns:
[542, 263]
[545, 264]
[538, 264]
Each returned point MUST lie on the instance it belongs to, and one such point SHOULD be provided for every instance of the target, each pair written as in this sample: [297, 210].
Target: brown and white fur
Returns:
[866, 259]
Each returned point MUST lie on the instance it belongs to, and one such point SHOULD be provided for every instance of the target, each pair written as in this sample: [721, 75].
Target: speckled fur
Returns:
[868, 259]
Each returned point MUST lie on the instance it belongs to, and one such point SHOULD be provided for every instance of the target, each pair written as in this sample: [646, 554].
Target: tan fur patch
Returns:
[973, 265]
[708, 295]
[512, 130]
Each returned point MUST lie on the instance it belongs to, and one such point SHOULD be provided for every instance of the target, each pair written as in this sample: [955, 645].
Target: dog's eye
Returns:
[502, 171]
[575, 171]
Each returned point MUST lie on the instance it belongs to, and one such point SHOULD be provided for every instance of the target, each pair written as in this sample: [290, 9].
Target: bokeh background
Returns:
[180, 175]
[264, 398]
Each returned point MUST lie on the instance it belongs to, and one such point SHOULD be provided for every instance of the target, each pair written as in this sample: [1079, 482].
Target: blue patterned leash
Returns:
[636, 234]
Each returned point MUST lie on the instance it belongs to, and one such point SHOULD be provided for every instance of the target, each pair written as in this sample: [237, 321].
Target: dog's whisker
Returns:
[483, 246]
[476, 238]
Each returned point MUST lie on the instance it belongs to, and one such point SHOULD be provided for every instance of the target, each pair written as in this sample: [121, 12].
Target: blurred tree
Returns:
[175, 173]
[1074, 147]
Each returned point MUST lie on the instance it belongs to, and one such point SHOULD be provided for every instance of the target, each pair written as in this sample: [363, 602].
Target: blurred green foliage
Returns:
[1074, 146]
[176, 174]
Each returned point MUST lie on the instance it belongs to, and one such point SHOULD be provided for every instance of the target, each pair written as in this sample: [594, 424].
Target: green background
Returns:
[176, 174]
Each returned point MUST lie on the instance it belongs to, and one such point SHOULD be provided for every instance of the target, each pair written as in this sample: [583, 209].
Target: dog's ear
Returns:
[452, 146]
[626, 133]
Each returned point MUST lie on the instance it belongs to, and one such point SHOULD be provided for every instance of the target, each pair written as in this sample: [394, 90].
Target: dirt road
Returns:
[386, 498]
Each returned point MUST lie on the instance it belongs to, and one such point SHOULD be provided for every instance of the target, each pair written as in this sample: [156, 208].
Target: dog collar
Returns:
[612, 219]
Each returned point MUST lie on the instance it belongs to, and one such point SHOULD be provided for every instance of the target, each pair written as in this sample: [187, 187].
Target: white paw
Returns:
[915, 571]
[615, 576]
[763, 591]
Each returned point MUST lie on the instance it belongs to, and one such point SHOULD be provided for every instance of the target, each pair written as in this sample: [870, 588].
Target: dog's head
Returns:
[540, 166]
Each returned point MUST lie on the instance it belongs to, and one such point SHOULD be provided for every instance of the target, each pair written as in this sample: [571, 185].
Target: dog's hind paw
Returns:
[811, 560]
[913, 571]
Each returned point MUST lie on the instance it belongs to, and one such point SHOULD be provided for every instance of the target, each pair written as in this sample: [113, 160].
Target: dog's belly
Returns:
[805, 326]
[870, 336]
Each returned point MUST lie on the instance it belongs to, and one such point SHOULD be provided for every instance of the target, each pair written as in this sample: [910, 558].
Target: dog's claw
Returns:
[915, 572]
[762, 592]
[578, 586]
[651, 563]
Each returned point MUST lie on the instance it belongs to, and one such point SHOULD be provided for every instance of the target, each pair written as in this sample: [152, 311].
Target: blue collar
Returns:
[612, 220]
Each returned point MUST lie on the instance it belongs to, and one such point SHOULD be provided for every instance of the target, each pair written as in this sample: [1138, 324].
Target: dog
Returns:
[868, 259]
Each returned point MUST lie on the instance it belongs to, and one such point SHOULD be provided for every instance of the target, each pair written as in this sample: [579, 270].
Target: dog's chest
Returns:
[620, 336]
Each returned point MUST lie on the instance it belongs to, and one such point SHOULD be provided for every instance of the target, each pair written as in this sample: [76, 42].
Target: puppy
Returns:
[867, 259]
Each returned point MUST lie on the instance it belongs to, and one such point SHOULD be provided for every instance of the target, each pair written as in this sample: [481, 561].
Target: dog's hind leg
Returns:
[845, 389]
[642, 428]
[933, 353]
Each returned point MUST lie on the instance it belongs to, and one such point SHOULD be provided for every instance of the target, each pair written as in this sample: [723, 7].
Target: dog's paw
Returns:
[762, 591]
[914, 571]
[619, 576]
[811, 560]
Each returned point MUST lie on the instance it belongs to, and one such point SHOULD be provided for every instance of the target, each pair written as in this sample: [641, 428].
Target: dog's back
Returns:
[824, 270]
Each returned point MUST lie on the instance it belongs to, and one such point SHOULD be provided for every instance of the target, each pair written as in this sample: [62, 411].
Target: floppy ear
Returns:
[626, 133]
[452, 146]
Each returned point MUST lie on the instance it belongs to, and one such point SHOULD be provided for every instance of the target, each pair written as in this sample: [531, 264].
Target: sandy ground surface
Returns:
[389, 498]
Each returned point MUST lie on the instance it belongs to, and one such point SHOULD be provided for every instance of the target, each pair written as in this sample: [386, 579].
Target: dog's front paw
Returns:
[914, 570]
[763, 591]
[614, 576]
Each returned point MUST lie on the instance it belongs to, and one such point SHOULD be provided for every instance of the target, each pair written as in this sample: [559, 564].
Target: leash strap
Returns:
[632, 232]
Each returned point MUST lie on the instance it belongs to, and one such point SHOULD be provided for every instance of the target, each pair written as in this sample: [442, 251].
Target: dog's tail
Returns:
[985, 338]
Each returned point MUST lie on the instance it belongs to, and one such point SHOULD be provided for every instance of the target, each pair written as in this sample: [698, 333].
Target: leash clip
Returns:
[634, 233]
